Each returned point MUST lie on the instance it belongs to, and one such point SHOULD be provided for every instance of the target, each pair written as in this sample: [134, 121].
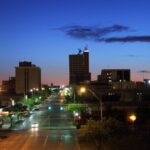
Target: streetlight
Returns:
[132, 119]
[61, 108]
[31, 91]
[73, 91]
[49, 107]
[83, 90]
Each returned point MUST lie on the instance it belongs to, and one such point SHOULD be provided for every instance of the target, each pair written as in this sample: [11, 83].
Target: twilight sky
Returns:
[117, 33]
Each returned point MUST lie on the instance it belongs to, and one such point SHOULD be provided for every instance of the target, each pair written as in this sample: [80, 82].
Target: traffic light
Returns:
[61, 108]
[49, 107]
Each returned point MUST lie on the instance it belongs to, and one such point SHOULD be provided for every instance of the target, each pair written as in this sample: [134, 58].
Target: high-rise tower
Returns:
[79, 67]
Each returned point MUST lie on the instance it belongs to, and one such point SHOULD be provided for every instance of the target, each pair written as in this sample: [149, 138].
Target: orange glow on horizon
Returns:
[64, 79]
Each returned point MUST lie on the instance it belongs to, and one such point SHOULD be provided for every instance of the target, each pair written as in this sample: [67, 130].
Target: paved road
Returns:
[55, 132]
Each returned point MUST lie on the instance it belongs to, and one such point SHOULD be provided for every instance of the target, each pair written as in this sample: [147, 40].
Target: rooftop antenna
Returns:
[79, 51]
[86, 48]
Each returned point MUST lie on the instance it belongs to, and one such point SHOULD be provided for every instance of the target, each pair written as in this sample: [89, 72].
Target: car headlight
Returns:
[35, 125]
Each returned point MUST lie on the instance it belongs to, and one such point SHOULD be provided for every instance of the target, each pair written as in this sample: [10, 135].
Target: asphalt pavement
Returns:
[55, 130]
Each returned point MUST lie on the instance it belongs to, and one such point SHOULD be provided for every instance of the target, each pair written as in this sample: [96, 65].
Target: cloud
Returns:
[145, 38]
[99, 34]
[131, 55]
[144, 71]
[92, 32]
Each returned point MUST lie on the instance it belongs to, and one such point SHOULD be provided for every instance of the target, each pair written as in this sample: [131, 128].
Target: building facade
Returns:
[28, 76]
[114, 75]
[8, 86]
[79, 67]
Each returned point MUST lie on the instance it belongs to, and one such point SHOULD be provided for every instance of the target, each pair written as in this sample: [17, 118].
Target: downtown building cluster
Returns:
[112, 94]
[109, 82]
[79, 71]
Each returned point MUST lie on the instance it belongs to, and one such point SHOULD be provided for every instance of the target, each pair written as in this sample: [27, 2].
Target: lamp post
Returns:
[74, 97]
[83, 90]
[132, 119]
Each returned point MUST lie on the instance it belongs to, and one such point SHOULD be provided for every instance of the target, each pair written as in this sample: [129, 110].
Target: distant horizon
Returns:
[44, 81]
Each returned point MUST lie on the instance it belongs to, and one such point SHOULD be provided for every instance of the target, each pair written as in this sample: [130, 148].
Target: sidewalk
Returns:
[17, 125]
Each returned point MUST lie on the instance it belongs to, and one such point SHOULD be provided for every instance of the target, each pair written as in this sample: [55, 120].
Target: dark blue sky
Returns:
[45, 32]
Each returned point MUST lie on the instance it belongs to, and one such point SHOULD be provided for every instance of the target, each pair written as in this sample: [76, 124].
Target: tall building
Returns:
[28, 76]
[79, 67]
[114, 75]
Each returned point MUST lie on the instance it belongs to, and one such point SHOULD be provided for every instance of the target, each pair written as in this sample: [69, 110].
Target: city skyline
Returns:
[47, 32]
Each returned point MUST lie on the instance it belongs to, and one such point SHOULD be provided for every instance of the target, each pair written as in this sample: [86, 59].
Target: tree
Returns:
[101, 131]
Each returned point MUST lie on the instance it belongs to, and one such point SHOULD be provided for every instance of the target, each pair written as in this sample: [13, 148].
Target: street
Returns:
[55, 130]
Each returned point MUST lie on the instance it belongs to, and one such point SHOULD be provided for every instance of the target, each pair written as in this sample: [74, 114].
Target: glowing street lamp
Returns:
[132, 118]
[83, 90]
[43, 88]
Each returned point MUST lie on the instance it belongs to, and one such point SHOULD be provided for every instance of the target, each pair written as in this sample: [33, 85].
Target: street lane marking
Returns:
[45, 141]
